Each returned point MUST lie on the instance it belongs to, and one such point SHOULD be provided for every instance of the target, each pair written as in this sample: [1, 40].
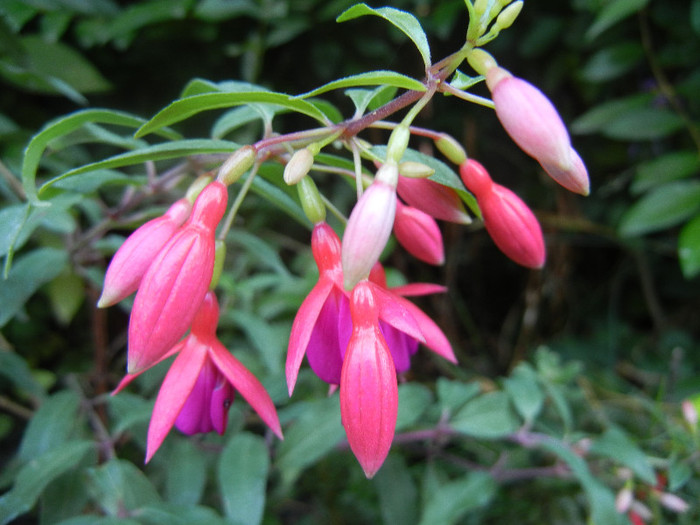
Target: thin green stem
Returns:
[237, 203]
[475, 99]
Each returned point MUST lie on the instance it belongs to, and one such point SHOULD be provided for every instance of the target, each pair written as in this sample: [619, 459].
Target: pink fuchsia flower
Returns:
[200, 385]
[133, 258]
[323, 325]
[419, 234]
[368, 386]
[368, 231]
[435, 199]
[535, 125]
[175, 283]
[510, 223]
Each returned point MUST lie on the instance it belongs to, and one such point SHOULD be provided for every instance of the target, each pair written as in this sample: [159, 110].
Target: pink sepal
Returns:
[436, 200]
[419, 234]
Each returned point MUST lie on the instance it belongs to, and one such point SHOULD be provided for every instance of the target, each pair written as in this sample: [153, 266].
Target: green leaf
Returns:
[62, 126]
[453, 499]
[280, 199]
[167, 150]
[414, 399]
[611, 13]
[666, 168]
[689, 248]
[464, 82]
[644, 124]
[28, 274]
[118, 486]
[661, 208]
[524, 390]
[597, 119]
[616, 445]
[612, 62]
[176, 514]
[17, 372]
[371, 78]
[66, 293]
[242, 474]
[489, 416]
[404, 21]
[600, 498]
[33, 478]
[185, 108]
[397, 492]
[454, 394]
[52, 425]
[186, 475]
[317, 431]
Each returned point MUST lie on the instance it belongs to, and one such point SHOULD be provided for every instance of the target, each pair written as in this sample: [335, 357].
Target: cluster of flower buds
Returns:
[171, 263]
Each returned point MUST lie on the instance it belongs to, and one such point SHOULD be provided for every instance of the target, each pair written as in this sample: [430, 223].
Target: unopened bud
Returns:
[415, 170]
[388, 174]
[311, 201]
[298, 166]
[623, 500]
[398, 142]
[506, 17]
[481, 61]
[196, 187]
[690, 413]
[219, 258]
[673, 502]
[450, 148]
[236, 165]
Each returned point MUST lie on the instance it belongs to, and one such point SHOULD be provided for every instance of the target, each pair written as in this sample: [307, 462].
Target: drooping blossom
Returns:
[437, 200]
[323, 325]
[368, 229]
[175, 283]
[200, 384]
[368, 386]
[132, 259]
[419, 234]
[534, 124]
[508, 220]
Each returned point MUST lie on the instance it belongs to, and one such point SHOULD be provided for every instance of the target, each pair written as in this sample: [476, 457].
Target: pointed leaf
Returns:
[397, 491]
[689, 248]
[118, 486]
[455, 498]
[371, 78]
[488, 416]
[619, 447]
[661, 208]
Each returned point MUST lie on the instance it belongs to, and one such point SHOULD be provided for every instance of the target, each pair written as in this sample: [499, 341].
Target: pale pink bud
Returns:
[673, 502]
[535, 125]
[690, 413]
[513, 226]
[419, 234]
[368, 385]
[368, 231]
[133, 258]
[435, 199]
[175, 284]
[623, 500]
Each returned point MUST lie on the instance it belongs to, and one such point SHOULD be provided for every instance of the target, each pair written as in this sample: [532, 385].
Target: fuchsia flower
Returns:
[133, 258]
[176, 282]
[200, 385]
[432, 198]
[510, 223]
[535, 125]
[368, 389]
[368, 231]
[419, 234]
[323, 325]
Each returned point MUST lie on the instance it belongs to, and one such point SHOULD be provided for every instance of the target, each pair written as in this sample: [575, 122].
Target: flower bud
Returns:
[450, 148]
[513, 227]
[574, 178]
[133, 258]
[311, 201]
[506, 17]
[433, 198]
[623, 500]
[298, 166]
[419, 234]
[236, 165]
[690, 413]
[481, 61]
[475, 177]
[415, 170]
[368, 231]
[398, 142]
[673, 502]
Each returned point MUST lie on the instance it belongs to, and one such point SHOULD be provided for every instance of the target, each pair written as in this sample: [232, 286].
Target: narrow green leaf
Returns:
[62, 126]
[489, 416]
[616, 445]
[611, 13]
[279, 198]
[524, 390]
[17, 372]
[453, 499]
[612, 62]
[404, 21]
[661, 208]
[185, 108]
[168, 150]
[454, 394]
[689, 248]
[33, 478]
[665, 168]
[464, 82]
[176, 514]
[599, 117]
[118, 486]
[242, 474]
[371, 78]
[30, 272]
[644, 124]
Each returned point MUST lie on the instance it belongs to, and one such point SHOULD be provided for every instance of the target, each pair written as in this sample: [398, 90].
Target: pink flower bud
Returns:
[175, 284]
[513, 226]
[475, 177]
[436, 200]
[368, 231]
[419, 234]
[133, 258]
[368, 386]
[535, 125]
